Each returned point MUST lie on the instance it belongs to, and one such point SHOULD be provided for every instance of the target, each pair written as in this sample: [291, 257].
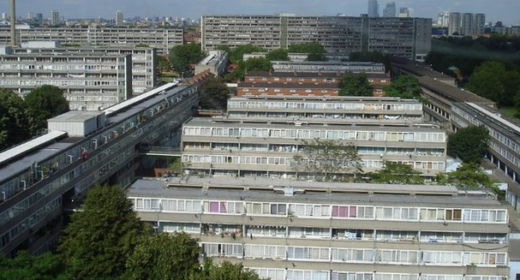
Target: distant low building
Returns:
[216, 62]
[302, 83]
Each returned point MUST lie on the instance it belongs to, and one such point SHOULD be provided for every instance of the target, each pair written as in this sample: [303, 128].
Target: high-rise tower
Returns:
[55, 18]
[119, 18]
[373, 8]
[390, 10]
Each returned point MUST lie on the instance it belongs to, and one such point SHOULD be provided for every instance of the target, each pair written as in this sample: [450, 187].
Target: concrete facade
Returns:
[405, 37]
[299, 230]
[90, 81]
[161, 39]
[144, 60]
[260, 136]
[42, 177]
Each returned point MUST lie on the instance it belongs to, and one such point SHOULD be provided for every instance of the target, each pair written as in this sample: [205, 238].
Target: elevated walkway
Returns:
[160, 151]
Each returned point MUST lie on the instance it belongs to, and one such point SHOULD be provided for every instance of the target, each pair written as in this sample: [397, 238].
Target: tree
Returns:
[397, 173]
[257, 64]
[468, 175]
[252, 64]
[98, 240]
[405, 86]
[13, 120]
[181, 56]
[487, 81]
[327, 160]
[355, 85]
[225, 271]
[314, 50]
[163, 64]
[29, 267]
[214, 94]
[511, 82]
[43, 103]
[237, 54]
[469, 144]
[278, 55]
[163, 256]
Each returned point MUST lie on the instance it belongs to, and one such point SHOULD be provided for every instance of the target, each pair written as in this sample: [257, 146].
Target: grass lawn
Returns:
[508, 111]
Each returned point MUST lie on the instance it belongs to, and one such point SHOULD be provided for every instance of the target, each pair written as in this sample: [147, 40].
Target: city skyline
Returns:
[503, 10]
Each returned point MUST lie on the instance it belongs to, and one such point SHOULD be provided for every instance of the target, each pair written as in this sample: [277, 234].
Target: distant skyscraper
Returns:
[480, 22]
[30, 16]
[390, 10]
[405, 12]
[467, 24]
[373, 8]
[38, 17]
[4, 16]
[454, 24]
[55, 18]
[443, 19]
[119, 18]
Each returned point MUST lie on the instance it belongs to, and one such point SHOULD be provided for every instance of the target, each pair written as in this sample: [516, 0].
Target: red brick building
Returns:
[299, 83]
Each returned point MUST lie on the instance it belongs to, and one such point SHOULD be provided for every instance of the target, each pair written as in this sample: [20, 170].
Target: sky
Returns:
[507, 11]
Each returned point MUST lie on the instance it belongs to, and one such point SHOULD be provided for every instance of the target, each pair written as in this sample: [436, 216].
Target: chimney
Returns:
[13, 24]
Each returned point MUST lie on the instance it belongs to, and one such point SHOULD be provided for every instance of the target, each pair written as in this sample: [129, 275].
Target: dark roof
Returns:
[452, 93]
[419, 69]
[308, 74]
[288, 85]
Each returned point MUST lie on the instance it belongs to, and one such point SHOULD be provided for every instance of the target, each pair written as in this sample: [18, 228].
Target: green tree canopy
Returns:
[469, 144]
[487, 81]
[96, 243]
[164, 256]
[352, 84]
[405, 86]
[163, 64]
[181, 56]
[29, 267]
[468, 175]
[43, 103]
[214, 94]
[257, 64]
[327, 160]
[236, 55]
[13, 120]
[252, 64]
[511, 82]
[278, 55]
[397, 173]
[225, 271]
[315, 50]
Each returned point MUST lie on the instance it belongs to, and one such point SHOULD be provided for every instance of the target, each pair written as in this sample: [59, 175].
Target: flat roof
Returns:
[452, 93]
[287, 85]
[260, 189]
[38, 156]
[419, 69]
[57, 54]
[16, 151]
[243, 124]
[330, 99]
[341, 63]
[493, 118]
[76, 116]
[308, 74]
[119, 116]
